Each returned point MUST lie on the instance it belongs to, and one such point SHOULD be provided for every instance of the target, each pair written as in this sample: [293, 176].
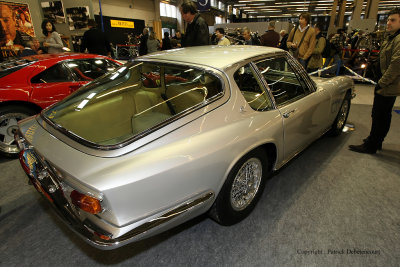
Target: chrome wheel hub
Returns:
[8, 126]
[246, 184]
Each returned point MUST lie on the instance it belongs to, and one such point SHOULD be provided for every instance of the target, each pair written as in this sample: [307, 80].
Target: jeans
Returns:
[303, 62]
[332, 70]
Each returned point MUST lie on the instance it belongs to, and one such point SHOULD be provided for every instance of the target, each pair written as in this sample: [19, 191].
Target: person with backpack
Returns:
[316, 61]
[328, 55]
[336, 44]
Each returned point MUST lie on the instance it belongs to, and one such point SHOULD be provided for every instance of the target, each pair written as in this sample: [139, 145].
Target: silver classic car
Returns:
[176, 134]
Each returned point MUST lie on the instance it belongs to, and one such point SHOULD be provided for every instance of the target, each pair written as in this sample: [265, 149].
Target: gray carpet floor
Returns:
[328, 207]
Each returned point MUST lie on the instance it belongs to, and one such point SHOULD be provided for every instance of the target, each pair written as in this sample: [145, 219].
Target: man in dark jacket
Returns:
[143, 42]
[270, 37]
[284, 36]
[197, 30]
[95, 41]
[387, 88]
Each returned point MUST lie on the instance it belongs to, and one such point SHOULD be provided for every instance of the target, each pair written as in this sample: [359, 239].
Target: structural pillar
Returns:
[358, 5]
[332, 28]
[371, 10]
[157, 24]
[342, 10]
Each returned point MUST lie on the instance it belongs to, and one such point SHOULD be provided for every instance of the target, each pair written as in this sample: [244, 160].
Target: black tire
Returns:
[341, 118]
[9, 117]
[235, 201]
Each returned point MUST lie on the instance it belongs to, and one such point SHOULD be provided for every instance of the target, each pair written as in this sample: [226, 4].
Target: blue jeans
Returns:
[332, 70]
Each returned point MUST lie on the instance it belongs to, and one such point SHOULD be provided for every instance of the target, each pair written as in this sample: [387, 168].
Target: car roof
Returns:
[62, 56]
[219, 57]
[16, 64]
[45, 58]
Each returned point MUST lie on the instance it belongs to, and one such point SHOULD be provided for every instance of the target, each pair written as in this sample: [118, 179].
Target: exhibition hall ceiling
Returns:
[278, 8]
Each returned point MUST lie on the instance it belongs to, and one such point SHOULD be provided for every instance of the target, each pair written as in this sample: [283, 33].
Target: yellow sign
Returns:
[122, 24]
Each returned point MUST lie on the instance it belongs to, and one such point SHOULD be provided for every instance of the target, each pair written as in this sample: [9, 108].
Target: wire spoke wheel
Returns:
[342, 116]
[242, 188]
[246, 183]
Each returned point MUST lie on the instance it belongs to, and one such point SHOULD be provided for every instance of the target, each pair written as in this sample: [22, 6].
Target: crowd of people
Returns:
[305, 42]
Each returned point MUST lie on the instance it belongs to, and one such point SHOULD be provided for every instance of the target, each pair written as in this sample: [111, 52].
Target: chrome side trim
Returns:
[133, 235]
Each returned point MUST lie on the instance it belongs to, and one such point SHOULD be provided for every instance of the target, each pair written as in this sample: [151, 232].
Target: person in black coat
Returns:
[143, 42]
[283, 44]
[95, 41]
[166, 42]
[197, 31]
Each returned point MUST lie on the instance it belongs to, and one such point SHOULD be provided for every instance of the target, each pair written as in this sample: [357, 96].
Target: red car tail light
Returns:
[22, 161]
[85, 202]
[104, 237]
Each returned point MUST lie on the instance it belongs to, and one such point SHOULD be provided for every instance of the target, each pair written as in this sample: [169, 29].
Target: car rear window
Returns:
[134, 100]
[8, 67]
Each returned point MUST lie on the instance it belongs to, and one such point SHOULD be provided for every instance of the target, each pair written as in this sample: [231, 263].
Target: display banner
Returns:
[122, 24]
[16, 28]
[203, 5]
[120, 33]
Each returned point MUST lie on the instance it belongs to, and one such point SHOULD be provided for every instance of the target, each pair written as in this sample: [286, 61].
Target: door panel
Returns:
[304, 111]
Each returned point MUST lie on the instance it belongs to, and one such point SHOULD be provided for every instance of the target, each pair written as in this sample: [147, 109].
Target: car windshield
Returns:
[133, 100]
[8, 67]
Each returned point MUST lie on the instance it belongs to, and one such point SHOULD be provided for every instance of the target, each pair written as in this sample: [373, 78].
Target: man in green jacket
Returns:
[316, 61]
[387, 89]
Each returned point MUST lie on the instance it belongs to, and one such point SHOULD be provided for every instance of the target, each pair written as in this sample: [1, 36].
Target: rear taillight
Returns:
[24, 166]
[104, 237]
[85, 202]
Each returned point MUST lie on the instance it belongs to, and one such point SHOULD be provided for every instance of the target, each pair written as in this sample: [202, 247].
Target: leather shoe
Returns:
[379, 147]
[362, 149]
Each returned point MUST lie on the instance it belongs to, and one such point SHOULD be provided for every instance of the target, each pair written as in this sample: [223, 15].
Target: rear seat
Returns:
[108, 121]
[151, 110]
[183, 97]
[97, 121]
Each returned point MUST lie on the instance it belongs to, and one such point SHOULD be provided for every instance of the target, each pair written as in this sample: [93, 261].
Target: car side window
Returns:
[54, 74]
[251, 89]
[282, 80]
[90, 69]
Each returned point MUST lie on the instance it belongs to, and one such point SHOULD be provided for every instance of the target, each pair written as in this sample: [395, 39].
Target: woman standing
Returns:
[52, 41]
[153, 44]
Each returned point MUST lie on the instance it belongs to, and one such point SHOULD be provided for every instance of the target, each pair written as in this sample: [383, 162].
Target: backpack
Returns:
[327, 50]
[255, 39]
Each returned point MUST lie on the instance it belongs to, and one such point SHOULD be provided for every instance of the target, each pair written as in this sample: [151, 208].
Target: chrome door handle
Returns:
[287, 114]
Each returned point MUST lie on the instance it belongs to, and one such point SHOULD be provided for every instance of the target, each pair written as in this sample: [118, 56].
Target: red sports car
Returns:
[29, 84]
